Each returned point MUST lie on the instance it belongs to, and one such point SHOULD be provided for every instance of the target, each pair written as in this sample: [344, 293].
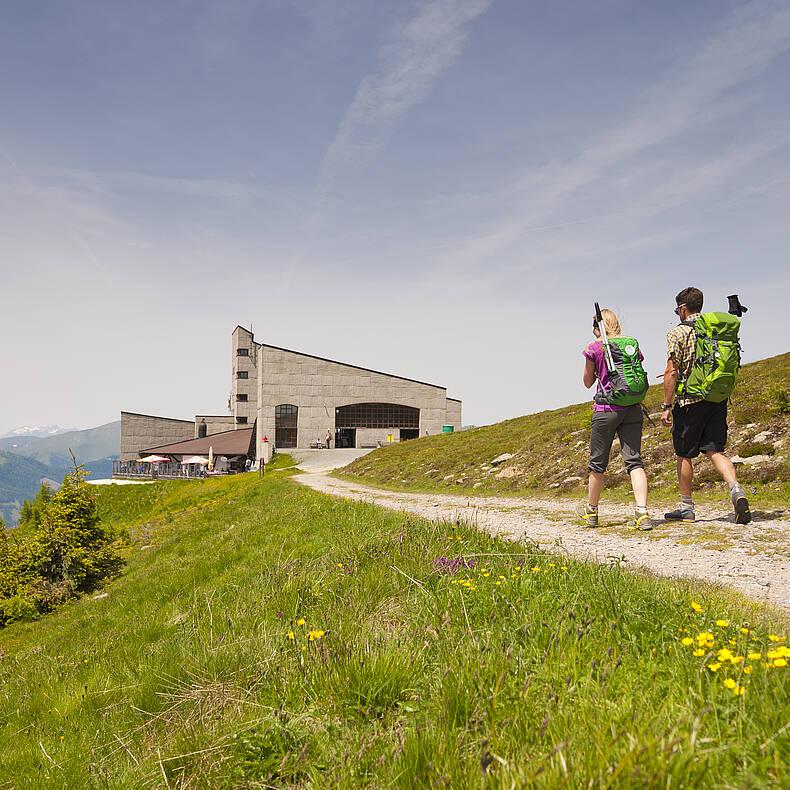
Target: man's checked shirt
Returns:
[681, 349]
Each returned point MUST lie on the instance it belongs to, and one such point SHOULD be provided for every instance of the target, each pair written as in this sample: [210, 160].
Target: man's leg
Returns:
[685, 476]
[723, 466]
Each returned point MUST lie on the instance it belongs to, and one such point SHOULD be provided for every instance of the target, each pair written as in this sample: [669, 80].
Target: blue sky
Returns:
[438, 189]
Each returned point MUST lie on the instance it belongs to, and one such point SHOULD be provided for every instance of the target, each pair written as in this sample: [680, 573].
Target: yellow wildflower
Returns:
[535, 568]
[754, 656]
[775, 638]
[780, 662]
[291, 635]
[747, 670]
[745, 631]
[552, 565]
[687, 641]
[700, 651]
[518, 567]
[725, 654]
[564, 568]
[713, 667]
[340, 565]
[300, 621]
[729, 683]
[695, 606]
[705, 639]
[738, 691]
[722, 623]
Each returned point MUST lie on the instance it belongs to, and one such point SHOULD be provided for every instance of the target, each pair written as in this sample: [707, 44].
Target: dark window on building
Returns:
[377, 415]
[242, 374]
[241, 397]
[241, 419]
[202, 429]
[243, 352]
[285, 420]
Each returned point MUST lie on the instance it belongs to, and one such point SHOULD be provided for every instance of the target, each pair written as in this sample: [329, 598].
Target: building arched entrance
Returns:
[367, 424]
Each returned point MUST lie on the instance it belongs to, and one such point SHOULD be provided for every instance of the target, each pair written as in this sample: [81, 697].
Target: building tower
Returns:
[244, 381]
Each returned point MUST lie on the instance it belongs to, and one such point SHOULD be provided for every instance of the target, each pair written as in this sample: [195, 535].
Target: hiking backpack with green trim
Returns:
[628, 381]
[717, 358]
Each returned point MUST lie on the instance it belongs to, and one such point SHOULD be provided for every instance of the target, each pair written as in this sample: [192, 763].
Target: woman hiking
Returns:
[610, 417]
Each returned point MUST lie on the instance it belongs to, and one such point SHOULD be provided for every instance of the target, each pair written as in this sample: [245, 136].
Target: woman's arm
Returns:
[589, 373]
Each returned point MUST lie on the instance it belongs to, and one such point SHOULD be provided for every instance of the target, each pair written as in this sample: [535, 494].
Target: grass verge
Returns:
[265, 635]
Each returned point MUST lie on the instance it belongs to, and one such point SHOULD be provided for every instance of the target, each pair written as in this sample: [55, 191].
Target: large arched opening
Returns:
[359, 423]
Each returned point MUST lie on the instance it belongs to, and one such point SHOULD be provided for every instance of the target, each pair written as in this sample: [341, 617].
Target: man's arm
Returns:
[670, 382]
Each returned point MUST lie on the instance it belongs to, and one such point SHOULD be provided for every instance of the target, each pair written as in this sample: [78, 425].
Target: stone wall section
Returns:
[215, 423]
[142, 431]
[453, 413]
[318, 387]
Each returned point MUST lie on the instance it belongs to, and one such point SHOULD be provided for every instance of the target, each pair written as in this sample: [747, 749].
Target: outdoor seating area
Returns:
[229, 452]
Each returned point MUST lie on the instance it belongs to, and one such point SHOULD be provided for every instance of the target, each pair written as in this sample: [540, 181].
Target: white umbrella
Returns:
[211, 458]
[194, 459]
[153, 459]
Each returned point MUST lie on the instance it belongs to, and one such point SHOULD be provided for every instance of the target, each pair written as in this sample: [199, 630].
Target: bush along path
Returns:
[263, 635]
[754, 559]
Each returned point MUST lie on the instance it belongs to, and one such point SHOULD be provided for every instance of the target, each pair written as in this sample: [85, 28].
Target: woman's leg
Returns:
[630, 433]
[602, 429]
[594, 488]
[639, 484]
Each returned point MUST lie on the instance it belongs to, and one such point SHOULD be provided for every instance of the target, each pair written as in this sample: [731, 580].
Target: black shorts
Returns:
[699, 428]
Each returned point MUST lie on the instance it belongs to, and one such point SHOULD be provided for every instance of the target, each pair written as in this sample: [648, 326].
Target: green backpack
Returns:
[628, 381]
[717, 358]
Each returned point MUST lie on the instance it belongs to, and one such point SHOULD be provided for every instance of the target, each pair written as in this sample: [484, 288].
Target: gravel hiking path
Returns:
[753, 559]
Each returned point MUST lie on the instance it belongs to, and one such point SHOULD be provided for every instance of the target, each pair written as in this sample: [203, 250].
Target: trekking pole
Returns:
[607, 352]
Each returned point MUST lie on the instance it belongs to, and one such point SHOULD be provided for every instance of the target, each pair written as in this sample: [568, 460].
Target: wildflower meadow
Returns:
[264, 635]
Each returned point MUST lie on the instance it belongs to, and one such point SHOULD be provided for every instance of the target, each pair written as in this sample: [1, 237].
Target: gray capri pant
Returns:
[627, 424]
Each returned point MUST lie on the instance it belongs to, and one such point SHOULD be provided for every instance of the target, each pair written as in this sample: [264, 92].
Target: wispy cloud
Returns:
[700, 90]
[409, 65]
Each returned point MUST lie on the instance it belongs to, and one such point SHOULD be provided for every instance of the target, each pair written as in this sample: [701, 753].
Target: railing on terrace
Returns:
[134, 470]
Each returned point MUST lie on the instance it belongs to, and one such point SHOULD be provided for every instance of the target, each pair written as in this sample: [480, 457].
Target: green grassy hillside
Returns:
[550, 449]
[264, 635]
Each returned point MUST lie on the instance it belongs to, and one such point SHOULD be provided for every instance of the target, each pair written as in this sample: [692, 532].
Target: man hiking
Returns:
[617, 410]
[699, 416]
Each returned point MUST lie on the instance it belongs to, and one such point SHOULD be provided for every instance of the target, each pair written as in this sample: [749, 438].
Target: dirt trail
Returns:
[754, 559]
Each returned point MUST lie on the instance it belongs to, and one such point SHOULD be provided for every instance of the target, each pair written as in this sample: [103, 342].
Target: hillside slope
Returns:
[28, 459]
[550, 449]
[20, 478]
[264, 635]
[91, 444]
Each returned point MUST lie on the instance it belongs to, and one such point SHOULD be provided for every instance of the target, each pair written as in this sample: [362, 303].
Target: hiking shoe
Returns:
[641, 521]
[587, 515]
[680, 513]
[742, 513]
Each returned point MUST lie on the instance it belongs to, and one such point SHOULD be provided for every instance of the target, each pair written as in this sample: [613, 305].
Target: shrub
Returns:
[69, 552]
[17, 609]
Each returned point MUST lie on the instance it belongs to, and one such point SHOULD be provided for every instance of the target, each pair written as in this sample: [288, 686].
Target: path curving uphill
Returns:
[754, 559]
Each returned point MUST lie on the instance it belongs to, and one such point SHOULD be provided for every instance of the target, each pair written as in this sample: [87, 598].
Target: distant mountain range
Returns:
[27, 458]
[36, 430]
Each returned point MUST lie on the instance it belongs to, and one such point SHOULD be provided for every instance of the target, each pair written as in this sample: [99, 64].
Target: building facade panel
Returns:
[139, 431]
[318, 387]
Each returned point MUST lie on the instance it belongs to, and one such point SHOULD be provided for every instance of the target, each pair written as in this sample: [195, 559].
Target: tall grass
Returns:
[264, 635]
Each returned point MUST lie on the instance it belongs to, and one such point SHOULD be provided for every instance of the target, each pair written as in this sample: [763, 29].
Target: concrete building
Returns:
[293, 399]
